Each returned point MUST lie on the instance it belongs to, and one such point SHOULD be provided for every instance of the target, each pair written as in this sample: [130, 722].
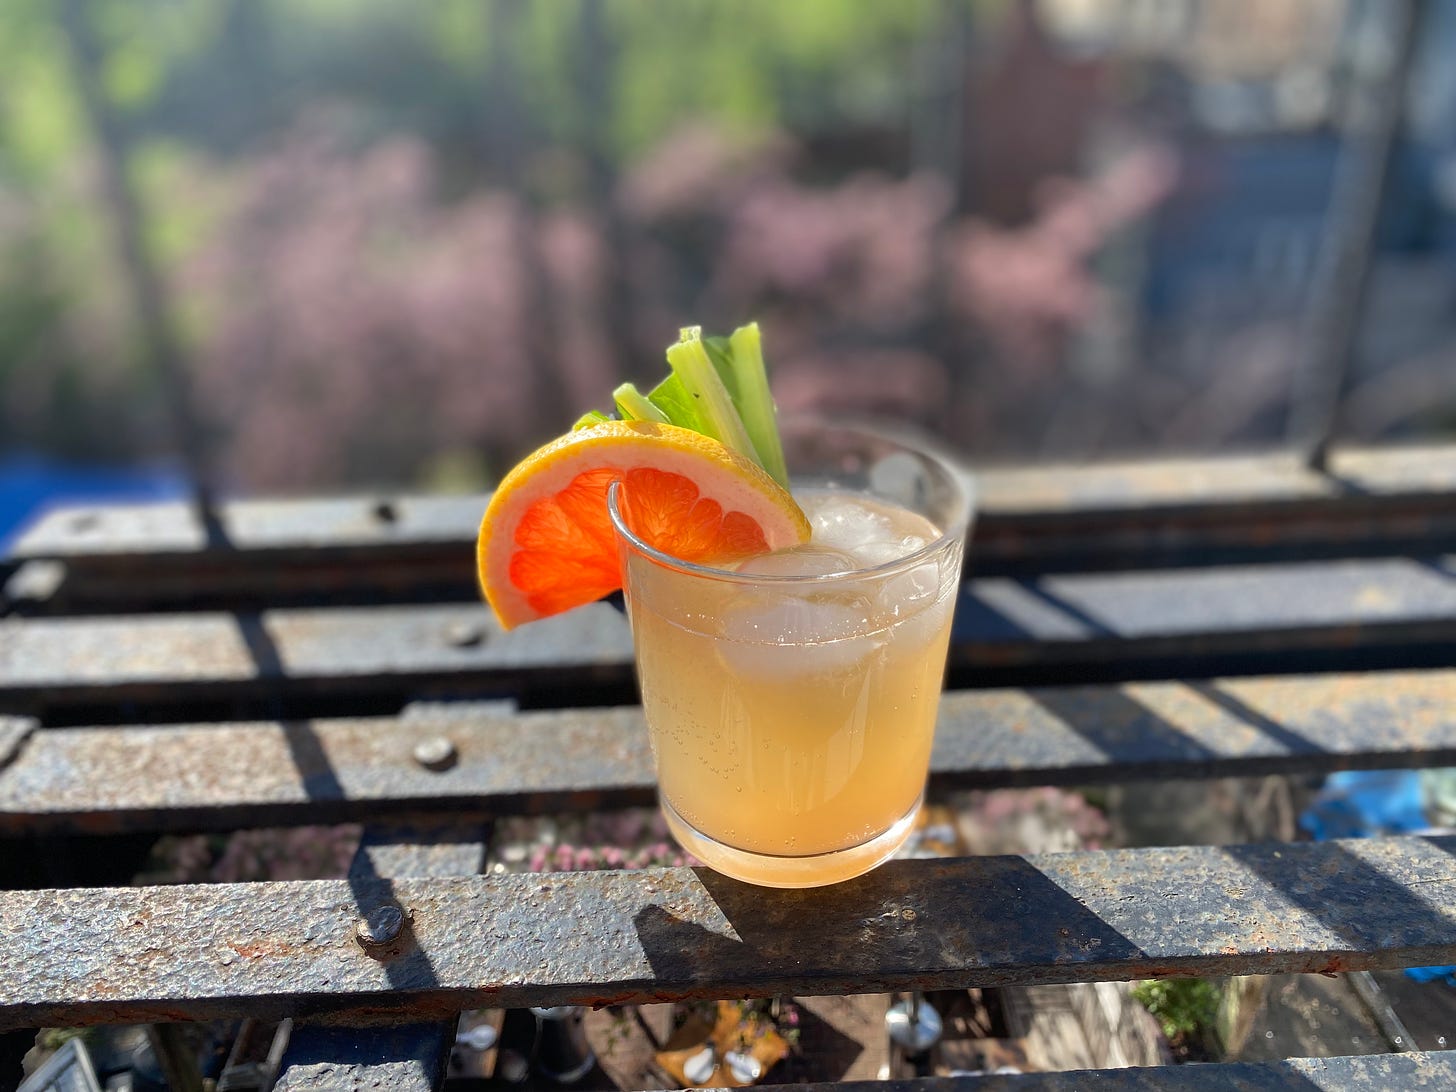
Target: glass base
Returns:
[770, 870]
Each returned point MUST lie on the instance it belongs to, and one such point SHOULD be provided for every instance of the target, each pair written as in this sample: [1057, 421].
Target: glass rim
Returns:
[956, 530]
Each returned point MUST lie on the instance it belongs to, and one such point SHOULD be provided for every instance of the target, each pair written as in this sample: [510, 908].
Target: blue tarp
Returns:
[1363, 804]
[1366, 803]
[29, 484]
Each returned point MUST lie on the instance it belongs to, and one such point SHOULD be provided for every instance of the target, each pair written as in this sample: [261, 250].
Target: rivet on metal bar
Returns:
[436, 753]
[381, 928]
[385, 511]
[464, 634]
[35, 582]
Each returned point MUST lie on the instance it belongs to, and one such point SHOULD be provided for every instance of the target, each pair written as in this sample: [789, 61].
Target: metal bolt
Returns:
[463, 633]
[380, 928]
[436, 753]
[385, 511]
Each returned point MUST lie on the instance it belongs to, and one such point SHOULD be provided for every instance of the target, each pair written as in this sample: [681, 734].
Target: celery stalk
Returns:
[755, 401]
[720, 352]
[632, 405]
[718, 386]
[689, 361]
[672, 398]
[589, 418]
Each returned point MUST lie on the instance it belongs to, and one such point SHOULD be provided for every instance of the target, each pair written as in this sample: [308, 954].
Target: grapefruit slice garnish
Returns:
[547, 544]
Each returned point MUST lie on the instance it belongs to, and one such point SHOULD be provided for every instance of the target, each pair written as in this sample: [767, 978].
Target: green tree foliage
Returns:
[201, 88]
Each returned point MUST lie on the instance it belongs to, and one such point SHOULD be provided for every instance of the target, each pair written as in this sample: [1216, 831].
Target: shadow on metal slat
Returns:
[272, 950]
[407, 1057]
[486, 760]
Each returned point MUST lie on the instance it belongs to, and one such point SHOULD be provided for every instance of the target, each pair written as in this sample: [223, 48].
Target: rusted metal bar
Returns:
[456, 849]
[220, 777]
[1397, 1035]
[1430, 1072]
[223, 777]
[401, 1058]
[397, 548]
[331, 528]
[1374, 116]
[363, 652]
[1055, 628]
[1244, 619]
[407, 1057]
[1221, 486]
[69, 958]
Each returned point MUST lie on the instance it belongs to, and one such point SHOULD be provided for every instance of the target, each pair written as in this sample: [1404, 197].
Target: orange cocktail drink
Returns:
[791, 698]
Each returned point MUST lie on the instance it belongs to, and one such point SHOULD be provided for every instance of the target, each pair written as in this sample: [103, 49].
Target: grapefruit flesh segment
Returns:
[547, 544]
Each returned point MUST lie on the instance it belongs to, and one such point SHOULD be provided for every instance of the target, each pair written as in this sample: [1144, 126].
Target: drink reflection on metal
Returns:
[913, 1024]
[562, 1052]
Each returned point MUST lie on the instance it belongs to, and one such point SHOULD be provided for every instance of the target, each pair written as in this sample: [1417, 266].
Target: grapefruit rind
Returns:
[735, 483]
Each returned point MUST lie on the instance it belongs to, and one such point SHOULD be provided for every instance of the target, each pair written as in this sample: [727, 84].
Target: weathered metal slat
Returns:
[1226, 481]
[396, 1058]
[183, 659]
[1236, 619]
[1023, 631]
[309, 526]
[452, 849]
[1365, 1073]
[209, 777]
[75, 957]
[483, 760]
[408, 1057]
[376, 549]
[1232, 484]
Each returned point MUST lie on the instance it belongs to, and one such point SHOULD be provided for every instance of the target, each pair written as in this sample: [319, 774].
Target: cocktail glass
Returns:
[791, 701]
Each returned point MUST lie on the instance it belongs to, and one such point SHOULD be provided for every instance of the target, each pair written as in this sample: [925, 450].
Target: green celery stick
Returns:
[589, 418]
[720, 352]
[633, 405]
[693, 367]
[755, 401]
[672, 398]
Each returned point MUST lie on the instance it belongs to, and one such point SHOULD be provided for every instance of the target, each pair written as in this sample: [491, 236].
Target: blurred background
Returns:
[323, 245]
